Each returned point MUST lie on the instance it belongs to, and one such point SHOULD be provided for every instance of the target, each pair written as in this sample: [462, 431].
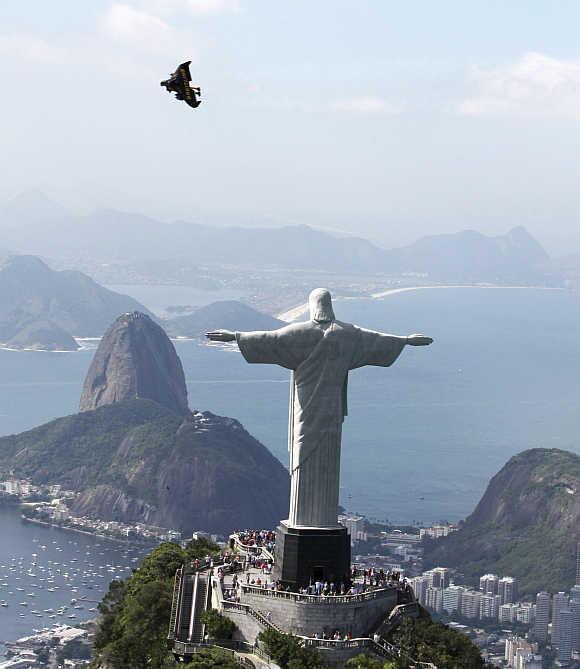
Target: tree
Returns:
[218, 626]
[426, 641]
[366, 662]
[289, 652]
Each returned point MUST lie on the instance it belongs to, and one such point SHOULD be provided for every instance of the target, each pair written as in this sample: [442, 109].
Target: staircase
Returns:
[190, 595]
[199, 597]
[396, 616]
[174, 604]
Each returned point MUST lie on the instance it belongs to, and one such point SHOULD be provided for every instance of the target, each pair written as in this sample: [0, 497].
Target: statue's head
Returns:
[320, 303]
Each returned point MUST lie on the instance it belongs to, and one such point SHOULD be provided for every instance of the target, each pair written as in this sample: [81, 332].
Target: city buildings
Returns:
[356, 526]
[559, 604]
[489, 584]
[519, 654]
[542, 616]
[507, 589]
[489, 606]
[436, 531]
[452, 598]
[470, 603]
[565, 636]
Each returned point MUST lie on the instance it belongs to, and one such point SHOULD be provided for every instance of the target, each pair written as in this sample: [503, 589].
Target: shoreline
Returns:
[294, 313]
[45, 523]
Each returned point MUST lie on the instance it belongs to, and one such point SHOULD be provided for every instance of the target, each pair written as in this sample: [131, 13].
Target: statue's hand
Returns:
[221, 335]
[419, 340]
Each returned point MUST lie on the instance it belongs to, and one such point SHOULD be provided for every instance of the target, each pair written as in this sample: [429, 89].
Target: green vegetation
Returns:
[135, 613]
[289, 653]
[526, 525]
[166, 470]
[217, 625]
[365, 662]
[426, 641]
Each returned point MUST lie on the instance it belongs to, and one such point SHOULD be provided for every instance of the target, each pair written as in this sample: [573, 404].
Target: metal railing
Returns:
[318, 599]
[237, 650]
[255, 613]
[254, 549]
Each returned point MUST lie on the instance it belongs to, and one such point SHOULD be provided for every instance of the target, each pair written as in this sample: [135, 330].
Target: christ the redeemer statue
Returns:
[320, 353]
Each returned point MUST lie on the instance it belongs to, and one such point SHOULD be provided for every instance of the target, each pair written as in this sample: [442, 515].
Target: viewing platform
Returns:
[341, 620]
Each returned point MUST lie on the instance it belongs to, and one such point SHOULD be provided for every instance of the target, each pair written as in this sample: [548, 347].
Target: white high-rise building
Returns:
[507, 613]
[578, 563]
[565, 636]
[507, 589]
[470, 603]
[559, 603]
[575, 608]
[434, 599]
[438, 577]
[489, 584]
[452, 598]
[419, 585]
[525, 613]
[542, 616]
[489, 606]
[356, 527]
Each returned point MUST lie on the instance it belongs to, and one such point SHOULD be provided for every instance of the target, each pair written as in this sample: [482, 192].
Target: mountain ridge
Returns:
[30, 291]
[136, 461]
[107, 235]
[528, 518]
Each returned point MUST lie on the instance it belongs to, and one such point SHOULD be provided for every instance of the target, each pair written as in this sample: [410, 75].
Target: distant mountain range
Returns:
[34, 224]
[527, 524]
[39, 306]
[44, 309]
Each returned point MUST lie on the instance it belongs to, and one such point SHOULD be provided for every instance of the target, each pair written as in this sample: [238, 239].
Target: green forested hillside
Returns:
[137, 461]
[527, 524]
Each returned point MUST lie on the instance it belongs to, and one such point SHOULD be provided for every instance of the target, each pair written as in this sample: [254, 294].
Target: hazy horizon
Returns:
[383, 120]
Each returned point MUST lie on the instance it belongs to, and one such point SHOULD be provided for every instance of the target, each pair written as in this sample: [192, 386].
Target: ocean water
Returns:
[422, 437]
[34, 558]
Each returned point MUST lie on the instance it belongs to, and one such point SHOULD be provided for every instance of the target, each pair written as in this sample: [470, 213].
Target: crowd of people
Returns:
[336, 636]
[259, 538]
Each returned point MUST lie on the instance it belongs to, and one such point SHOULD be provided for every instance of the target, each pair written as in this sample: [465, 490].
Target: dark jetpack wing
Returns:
[178, 83]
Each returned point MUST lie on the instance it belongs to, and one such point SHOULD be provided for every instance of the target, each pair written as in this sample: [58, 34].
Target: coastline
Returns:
[294, 313]
[79, 531]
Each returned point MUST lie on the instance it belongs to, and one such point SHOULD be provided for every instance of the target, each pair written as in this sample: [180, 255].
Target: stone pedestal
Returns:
[305, 555]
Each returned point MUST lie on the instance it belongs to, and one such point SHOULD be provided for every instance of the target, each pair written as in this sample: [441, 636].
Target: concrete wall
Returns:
[305, 618]
[248, 626]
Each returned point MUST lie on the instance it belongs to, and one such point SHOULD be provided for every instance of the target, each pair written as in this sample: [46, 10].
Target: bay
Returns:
[44, 568]
[422, 437]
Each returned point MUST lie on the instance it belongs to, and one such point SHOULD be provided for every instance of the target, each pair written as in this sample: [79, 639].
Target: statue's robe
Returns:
[320, 356]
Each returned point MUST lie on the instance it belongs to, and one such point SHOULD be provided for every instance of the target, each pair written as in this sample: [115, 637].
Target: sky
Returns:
[385, 119]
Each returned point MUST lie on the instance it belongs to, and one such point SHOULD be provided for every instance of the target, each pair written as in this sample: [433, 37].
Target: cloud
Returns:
[536, 85]
[132, 36]
[193, 7]
[127, 24]
[30, 48]
[367, 105]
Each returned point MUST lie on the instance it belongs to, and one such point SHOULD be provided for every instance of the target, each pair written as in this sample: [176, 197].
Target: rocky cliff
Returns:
[527, 524]
[136, 461]
[135, 359]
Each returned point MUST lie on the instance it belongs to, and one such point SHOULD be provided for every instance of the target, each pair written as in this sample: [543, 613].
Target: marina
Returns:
[50, 576]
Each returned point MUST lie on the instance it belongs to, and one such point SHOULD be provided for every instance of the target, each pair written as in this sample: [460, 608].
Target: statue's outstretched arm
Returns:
[221, 335]
[418, 340]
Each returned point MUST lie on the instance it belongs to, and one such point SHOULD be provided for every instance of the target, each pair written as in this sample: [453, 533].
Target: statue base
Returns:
[304, 555]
